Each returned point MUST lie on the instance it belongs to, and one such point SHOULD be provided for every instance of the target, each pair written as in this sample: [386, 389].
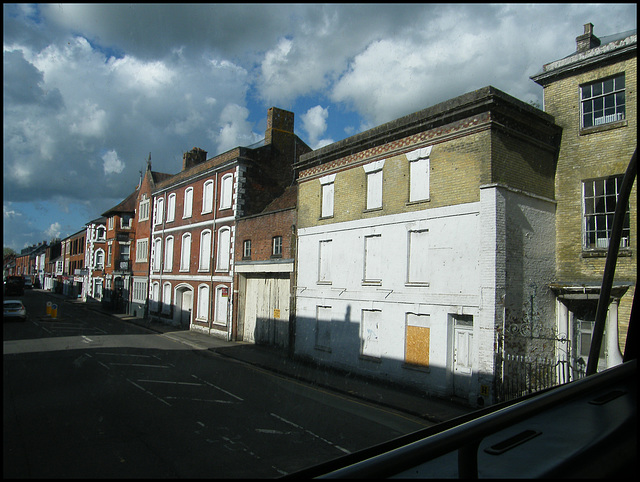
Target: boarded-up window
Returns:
[419, 174]
[370, 332]
[373, 259]
[324, 262]
[417, 262]
[327, 195]
[323, 327]
[417, 340]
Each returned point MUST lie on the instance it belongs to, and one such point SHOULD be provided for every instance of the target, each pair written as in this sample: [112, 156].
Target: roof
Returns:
[611, 45]
[126, 206]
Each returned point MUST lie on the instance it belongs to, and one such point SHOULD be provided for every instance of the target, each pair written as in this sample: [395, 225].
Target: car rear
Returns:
[14, 309]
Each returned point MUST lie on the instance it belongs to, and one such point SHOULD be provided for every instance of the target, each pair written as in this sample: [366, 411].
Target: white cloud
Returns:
[111, 163]
[314, 122]
[7, 212]
[235, 130]
[53, 231]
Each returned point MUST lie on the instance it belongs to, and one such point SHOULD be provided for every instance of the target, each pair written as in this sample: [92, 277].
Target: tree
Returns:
[7, 252]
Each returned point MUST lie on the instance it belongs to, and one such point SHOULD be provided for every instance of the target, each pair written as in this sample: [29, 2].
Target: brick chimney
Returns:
[193, 157]
[587, 40]
[279, 120]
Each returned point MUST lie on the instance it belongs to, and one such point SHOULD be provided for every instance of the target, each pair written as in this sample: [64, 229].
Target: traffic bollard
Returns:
[54, 311]
[49, 308]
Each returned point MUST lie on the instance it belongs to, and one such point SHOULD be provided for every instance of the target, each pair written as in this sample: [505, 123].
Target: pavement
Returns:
[277, 360]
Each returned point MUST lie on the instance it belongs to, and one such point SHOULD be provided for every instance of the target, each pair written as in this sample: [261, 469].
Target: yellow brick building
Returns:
[592, 94]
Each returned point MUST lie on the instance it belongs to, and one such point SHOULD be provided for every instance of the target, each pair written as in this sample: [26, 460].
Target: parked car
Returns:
[14, 286]
[28, 284]
[14, 309]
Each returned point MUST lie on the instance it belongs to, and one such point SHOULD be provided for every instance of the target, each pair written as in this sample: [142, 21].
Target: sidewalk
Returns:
[276, 360]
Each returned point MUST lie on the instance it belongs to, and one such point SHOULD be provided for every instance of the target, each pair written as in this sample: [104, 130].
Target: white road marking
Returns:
[138, 365]
[147, 391]
[218, 388]
[310, 433]
[172, 382]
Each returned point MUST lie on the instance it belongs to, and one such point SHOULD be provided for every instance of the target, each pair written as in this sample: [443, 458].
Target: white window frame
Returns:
[185, 252]
[372, 260]
[110, 223]
[168, 253]
[101, 233]
[221, 316]
[143, 211]
[373, 171]
[154, 296]
[139, 290]
[99, 254]
[207, 196]
[159, 210]
[226, 191]
[205, 250]
[142, 250]
[156, 255]
[166, 297]
[203, 303]
[418, 257]
[599, 200]
[327, 186]
[325, 248]
[276, 246]
[246, 249]
[171, 207]
[188, 203]
[224, 246]
[419, 167]
[611, 105]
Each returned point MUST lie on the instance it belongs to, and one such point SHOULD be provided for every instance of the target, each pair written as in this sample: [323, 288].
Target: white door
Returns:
[462, 355]
[266, 313]
[187, 308]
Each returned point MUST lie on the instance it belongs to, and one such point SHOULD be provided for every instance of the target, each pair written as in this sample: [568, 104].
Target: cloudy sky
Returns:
[90, 90]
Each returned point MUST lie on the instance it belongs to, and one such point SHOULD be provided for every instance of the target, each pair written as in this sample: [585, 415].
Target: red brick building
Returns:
[194, 224]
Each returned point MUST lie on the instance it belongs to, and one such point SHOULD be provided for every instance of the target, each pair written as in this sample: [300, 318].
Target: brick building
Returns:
[264, 267]
[95, 258]
[140, 256]
[592, 95]
[194, 224]
[117, 268]
[75, 264]
[423, 241]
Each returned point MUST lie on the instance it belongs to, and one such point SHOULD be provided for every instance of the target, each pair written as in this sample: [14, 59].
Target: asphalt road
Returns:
[88, 395]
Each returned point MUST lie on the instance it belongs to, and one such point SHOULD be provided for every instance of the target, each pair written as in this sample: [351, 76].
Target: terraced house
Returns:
[592, 94]
[194, 224]
[423, 241]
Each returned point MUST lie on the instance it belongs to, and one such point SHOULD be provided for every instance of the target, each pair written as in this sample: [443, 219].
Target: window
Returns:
[99, 259]
[157, 248]
[207, 197]
[125, 221]
[188, 202]
[168, 254]
[109, 256]
[101, 233]
[324, 262]
[327, 183]
[143, 211]
[370, 330]
[603, 102]
[417, 333]
[224, 245]
[139, 290]
[154, 299]
[142, 247]
[323, 327]
[419, 174]
[276, 246]
[124, 251]
[226, 191]
[372, 260]
[418, 255]
[185, 256]
[222, 304]
[205, 250]
[159, 210]
[246, 249]
[171, 207]
[110, 223]
[373, 171]
[599, 204]
[166, 298]
[203, 303]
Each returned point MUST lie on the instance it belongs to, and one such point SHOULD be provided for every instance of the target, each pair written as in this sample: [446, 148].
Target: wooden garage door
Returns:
[266, 313]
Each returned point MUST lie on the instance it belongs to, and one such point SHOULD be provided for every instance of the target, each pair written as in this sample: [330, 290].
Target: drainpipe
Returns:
[214, 242]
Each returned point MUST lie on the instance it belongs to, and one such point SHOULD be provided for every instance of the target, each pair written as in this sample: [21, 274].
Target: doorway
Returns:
[462, 362]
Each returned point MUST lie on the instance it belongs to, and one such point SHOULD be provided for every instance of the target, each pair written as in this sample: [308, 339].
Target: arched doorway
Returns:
[184, 306]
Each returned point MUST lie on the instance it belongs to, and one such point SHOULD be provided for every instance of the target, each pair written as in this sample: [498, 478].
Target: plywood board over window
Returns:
[417, 340]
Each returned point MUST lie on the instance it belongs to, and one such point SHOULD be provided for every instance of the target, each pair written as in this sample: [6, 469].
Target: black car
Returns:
[14, 285]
